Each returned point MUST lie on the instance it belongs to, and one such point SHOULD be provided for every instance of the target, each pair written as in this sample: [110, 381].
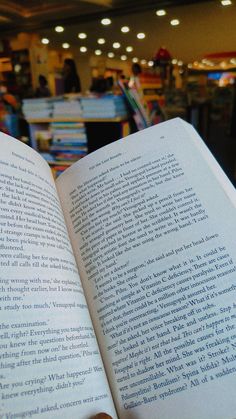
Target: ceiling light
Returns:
[123, 57]
[143, 62]
[150, 63]
[226, 2]
[135, 60]
[65, 45]
[141, 35]
[116, 45]
[17, 68]
[174, 61]
[98, 52]
[106, 21]
[180, 63]
[233, 61]
[83, 49]
[174, 22]
[101, 41]
[59, 29]
[161, 12]
[125, 29]
[82, 35]
[111, 54]
[129, 49]
[45, 41]
[190, 65]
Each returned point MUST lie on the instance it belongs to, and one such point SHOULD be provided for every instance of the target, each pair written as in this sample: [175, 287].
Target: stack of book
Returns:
[67, 108]
[69, 141]
[107, 106]
[37, 108]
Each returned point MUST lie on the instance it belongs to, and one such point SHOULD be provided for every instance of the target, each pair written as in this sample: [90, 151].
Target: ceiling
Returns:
[205, 26]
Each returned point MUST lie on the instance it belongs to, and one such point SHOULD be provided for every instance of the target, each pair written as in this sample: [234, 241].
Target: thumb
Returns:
[102, 416]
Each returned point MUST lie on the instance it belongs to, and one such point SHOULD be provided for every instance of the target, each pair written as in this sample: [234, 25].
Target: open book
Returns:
[118, 281]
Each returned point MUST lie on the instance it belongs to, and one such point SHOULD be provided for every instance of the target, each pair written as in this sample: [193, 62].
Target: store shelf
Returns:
[48, 120]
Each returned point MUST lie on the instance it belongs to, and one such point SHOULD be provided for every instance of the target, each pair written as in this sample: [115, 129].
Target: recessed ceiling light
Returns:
[180, 63]
[174, 61]
[174, 22]
[141, 35]
[101, 41]
[17, 68]
[98, 52]
[161, 12]
[233, 60]
[123, 57]
[190, 65]
[116, 45]
[83, 49]
[125, 29]
[65, 45]
[150, 63]
[59, 29]
[111, 54]
[226, 2]
[82, 35]
[129, 49]
[143, 62]
[106, 21]
[45, 41]
[135, 60]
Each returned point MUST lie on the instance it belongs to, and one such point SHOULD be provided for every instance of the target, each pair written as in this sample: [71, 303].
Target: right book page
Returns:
[152, 224]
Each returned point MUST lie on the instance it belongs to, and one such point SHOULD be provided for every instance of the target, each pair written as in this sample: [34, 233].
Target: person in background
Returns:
[42, 90]
[71, 77]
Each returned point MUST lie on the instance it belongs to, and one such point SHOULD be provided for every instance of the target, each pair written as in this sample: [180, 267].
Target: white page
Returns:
[49, 358]
[152, 223]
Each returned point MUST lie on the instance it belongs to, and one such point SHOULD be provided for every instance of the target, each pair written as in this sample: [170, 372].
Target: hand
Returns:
[102, 416]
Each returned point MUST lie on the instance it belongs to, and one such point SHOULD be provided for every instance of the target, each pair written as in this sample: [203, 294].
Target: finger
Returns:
[102, 416]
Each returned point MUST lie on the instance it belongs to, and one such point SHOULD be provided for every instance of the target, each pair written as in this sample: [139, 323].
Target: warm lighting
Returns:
[106, 21]
[83, 49]
[59, 29]
[174, 22]
[116, 45]
[129, 49]
[111, 54]
[226, 2]
[123, 57]
[180, 63]
[125, 29]
[161, 12]
[65, 45]
[174, 61]
[45, 41]
[190, 65]
[143, 62]
[233, 61]
[135, 60]
[141, 35]
[150, 63]
[98, 52]
[101, 41]
[82, 35]
[17, 68]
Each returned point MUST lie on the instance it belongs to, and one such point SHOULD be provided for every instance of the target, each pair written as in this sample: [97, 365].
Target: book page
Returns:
[49, 359]
[152, 223]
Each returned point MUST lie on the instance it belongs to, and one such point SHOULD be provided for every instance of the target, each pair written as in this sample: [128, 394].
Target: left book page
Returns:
[50, 365]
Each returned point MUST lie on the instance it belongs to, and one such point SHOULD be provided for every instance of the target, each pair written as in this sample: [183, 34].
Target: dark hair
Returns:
[136, 69]
[71, 64]
[43, 80]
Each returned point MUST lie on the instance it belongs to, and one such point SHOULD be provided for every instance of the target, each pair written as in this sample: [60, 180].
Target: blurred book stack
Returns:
[107, 106]
[69, 141]
[37, 108]
[67, 108]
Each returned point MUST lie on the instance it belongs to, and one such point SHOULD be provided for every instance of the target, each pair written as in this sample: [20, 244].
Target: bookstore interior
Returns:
[74, 77]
